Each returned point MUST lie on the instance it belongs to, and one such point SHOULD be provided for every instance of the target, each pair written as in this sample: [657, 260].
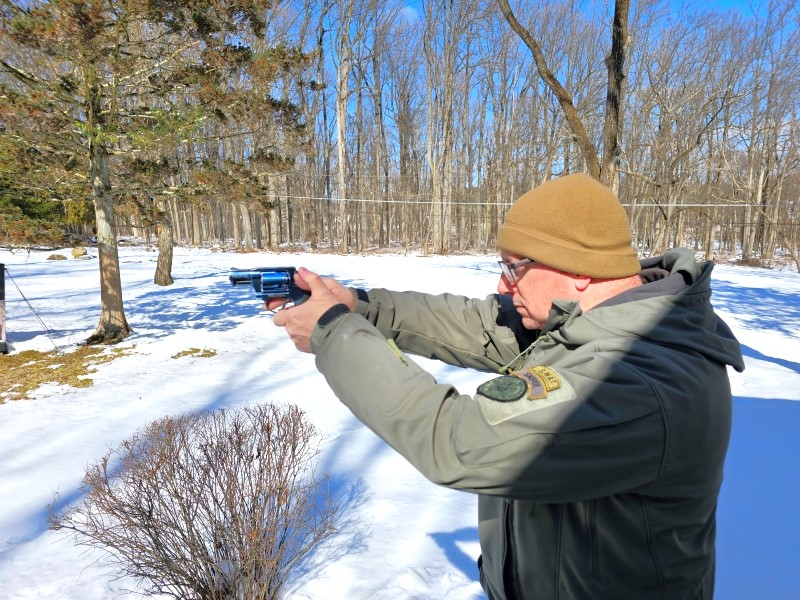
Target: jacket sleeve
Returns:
[563, 450]
[478, 334]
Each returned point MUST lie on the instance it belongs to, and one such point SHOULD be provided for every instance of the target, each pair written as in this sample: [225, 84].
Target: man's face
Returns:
[534, 290]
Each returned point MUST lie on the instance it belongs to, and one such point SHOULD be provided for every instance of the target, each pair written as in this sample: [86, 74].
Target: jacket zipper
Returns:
[509, 560]
[591, 530]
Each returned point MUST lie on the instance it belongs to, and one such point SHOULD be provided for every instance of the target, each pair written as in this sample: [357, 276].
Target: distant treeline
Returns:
[359, 124]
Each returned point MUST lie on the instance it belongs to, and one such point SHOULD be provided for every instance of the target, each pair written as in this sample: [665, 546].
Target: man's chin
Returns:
[527, 321]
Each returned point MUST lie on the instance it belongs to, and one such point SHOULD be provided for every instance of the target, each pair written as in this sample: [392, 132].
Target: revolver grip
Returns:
[298, 295]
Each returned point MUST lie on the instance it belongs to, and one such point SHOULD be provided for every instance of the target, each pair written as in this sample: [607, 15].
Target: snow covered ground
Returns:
[408, 538]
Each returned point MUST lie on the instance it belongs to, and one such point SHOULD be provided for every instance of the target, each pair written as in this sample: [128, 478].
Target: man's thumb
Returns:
[314, 281]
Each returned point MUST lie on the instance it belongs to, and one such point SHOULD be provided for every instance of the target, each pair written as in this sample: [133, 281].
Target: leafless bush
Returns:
[218, 505]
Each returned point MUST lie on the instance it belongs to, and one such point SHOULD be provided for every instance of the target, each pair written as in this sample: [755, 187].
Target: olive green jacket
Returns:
[598, 463]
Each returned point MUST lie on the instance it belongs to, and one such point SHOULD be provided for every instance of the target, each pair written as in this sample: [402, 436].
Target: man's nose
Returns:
[503, 287]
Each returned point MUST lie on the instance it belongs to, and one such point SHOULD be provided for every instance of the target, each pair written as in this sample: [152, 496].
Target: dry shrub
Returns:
[216, 505]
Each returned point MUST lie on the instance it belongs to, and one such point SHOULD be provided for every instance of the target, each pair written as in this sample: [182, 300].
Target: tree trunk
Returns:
[344, 56]
[163, 274]
[113, 327]
[612, 129]
[197, 229]
[247, 226]
[711, 229]
[272, 218]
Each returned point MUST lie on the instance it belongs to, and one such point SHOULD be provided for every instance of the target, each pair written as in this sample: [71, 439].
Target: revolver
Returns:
[271, 282]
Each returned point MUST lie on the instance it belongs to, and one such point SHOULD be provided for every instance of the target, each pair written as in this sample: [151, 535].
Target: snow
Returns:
[405, 537]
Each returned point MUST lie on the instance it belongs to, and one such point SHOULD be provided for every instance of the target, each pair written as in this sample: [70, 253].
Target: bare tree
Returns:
[405, 67]
[604, 170]
[446, 26]
[349, 31]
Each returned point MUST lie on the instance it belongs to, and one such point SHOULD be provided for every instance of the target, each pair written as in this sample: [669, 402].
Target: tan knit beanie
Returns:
[573, 224]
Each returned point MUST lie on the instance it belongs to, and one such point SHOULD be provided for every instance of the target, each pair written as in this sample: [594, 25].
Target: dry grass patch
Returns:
[200, 353]
[24, 372]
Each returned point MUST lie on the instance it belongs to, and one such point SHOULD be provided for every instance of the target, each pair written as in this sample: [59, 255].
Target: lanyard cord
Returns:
[507, 369]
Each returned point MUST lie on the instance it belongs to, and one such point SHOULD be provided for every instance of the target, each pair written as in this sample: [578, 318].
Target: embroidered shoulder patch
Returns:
[536, 388]
[534, 383]
[503, 389]
[540, 381]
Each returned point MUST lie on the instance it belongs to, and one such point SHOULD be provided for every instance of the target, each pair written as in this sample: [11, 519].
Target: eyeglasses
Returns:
[510, 269]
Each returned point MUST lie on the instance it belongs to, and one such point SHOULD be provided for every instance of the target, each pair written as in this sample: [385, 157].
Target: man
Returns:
[598, 456]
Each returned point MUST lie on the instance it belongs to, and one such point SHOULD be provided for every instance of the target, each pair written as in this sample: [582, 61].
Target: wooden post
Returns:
[3, 345]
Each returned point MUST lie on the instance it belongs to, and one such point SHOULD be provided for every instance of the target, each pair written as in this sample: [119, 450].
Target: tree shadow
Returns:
[218, 306]
[760, 308]
[782, 362]
[352, 531]
[448, 542]
[204, 301]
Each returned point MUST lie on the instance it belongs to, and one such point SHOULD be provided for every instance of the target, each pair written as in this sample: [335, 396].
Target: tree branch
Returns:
[565, 100]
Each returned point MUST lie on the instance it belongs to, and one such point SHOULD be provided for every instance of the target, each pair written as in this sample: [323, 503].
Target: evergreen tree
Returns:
[96, 89]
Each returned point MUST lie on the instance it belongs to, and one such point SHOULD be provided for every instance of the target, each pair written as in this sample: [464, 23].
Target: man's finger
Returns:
[274, 304]
[314, 281]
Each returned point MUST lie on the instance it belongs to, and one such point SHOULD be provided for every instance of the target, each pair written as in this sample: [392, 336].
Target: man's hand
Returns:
[300, 321]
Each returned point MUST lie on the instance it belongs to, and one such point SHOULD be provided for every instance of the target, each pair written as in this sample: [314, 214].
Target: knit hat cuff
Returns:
[566, 255]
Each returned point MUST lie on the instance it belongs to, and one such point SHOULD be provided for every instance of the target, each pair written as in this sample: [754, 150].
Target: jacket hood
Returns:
[673, 308]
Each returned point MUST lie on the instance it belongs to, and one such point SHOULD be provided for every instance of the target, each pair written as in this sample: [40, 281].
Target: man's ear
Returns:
[581, 282]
